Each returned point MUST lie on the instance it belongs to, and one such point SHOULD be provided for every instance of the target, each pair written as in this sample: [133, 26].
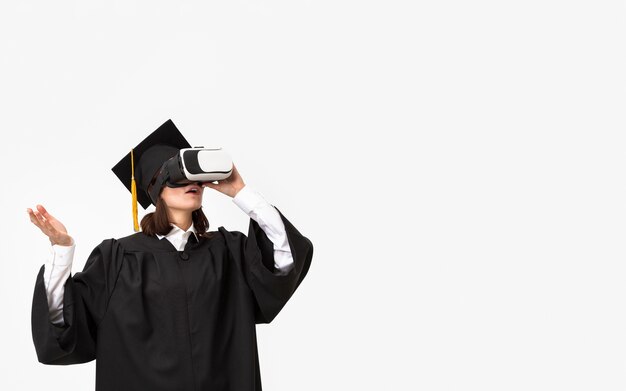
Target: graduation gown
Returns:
[155, 318]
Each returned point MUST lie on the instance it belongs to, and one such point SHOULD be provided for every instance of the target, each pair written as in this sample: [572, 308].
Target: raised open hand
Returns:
[50, 226]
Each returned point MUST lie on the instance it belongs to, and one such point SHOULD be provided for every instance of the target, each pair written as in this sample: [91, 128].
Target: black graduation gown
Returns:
[155, 318]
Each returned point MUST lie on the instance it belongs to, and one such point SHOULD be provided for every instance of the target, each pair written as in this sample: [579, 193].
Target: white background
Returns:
[458, 166]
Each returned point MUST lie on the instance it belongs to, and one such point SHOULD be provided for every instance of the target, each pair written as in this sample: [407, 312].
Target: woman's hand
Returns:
[51, 227]
[229, 186]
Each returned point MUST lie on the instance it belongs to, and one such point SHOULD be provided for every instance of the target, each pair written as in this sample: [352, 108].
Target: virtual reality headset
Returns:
[191, 165]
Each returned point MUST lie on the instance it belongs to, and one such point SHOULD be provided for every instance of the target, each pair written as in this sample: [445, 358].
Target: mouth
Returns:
[193, 190]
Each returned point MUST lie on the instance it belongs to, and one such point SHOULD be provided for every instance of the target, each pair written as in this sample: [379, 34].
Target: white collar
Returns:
[178, 233]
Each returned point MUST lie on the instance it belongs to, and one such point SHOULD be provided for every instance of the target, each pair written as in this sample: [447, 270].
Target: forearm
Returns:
[268, 218]
[57, 270]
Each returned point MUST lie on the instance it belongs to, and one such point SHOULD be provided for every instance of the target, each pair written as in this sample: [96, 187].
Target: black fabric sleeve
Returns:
[85, 300]
[270, 286]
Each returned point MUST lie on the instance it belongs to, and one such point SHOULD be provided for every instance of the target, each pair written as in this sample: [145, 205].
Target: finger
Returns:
[38, 217]
[44, 224]
[49, 227]
[32, 217]
[37, 221]
[44, 212]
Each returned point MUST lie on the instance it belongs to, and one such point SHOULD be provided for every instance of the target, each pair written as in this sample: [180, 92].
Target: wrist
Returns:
[238, 189]
[62, 242]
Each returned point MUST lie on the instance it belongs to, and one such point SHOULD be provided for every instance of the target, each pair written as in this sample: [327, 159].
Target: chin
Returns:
[189, 207]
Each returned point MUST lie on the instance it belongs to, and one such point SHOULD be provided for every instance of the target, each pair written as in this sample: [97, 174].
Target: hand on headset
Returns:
[229, 186]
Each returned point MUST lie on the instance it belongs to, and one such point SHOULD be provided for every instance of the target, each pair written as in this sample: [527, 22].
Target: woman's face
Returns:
[187, 198]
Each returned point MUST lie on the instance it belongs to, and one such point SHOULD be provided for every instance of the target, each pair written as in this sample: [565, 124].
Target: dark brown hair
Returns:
[157, 222]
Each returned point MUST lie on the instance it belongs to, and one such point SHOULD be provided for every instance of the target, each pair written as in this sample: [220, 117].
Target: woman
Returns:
[173, 307]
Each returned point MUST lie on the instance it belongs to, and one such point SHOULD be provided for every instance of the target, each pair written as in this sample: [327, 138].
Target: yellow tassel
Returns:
[133, 190]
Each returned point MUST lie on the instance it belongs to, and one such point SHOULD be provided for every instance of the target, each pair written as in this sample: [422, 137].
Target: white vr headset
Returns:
[191, 165]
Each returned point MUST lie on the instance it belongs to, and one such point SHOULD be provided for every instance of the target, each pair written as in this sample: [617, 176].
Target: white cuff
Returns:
[63, 255]
[249, 199]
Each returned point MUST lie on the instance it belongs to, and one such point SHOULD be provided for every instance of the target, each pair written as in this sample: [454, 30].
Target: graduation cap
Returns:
[137, 169]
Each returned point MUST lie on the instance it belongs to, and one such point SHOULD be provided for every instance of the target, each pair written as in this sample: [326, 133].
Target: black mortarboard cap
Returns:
[146, 159]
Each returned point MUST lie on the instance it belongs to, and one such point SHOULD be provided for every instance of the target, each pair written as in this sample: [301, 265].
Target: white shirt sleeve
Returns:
[56, 271]
[268, 218]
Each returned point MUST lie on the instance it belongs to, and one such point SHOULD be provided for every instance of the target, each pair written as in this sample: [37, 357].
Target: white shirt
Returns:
[59, 263]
